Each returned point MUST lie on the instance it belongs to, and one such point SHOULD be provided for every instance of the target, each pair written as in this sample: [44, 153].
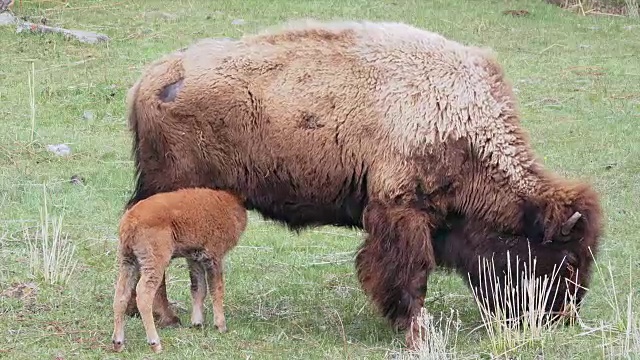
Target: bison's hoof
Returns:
[169, 322]
[415, 336]
[132, 312]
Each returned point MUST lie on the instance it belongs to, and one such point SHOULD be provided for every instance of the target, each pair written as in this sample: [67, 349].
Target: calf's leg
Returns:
[152, 268]
[127, 277]
[197, 275]
[215, 278]
[161, 307]
[394, 262]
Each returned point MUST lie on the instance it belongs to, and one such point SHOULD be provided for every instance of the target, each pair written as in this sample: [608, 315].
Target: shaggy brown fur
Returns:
[354, 124]
[201, 225]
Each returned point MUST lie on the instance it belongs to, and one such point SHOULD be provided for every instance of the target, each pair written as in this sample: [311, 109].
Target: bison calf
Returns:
[201, 225]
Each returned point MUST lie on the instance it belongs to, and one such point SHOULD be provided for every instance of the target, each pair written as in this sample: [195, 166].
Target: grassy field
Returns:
[290, 296]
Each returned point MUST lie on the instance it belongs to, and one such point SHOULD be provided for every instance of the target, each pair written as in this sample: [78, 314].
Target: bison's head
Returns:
[499, 266]
[565, 212]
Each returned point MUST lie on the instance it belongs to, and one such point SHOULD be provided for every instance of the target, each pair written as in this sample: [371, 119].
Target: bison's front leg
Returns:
[394, 262]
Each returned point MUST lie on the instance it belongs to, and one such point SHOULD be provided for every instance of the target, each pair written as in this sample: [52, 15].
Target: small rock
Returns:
[82, 36]
[87, 115]
[238, 22]
[7, 19]
[594, 27]
[87, 36]
[59, 149]
[584, 46]
[630, 27]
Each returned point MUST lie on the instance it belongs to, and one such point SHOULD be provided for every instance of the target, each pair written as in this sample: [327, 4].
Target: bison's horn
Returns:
[569, 224]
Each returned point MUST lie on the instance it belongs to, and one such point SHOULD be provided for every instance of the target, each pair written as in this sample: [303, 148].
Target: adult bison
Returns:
[380, 126]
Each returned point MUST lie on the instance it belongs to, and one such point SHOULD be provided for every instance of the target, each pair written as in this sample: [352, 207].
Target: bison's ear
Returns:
[532, 222]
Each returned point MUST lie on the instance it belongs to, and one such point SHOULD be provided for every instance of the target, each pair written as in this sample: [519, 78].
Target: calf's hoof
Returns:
[118, 346]
[156, 347]
[222, 327]
[196, 325]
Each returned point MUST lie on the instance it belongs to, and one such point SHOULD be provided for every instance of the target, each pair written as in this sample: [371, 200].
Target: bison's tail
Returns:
[147, 102]
[133, 127]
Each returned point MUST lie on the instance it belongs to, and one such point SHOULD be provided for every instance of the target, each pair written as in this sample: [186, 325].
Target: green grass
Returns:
[288, 296]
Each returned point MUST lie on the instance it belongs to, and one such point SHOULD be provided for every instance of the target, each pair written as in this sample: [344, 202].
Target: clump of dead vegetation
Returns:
[600, 7]
[437, 338]
[51, 254]
[514, 312]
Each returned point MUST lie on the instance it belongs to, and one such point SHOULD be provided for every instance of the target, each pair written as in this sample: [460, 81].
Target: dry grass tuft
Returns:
[632, 8]
[620, 336]
[51, 255]
[519, 319]
[600, 7]
[435, 338]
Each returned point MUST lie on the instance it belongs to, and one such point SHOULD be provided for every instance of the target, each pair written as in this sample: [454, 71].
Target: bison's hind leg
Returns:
[162, 309]
[166, 317]
[394, 262]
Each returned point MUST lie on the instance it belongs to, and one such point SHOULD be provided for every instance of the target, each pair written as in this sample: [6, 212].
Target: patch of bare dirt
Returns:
[516, 13]
[23, 291]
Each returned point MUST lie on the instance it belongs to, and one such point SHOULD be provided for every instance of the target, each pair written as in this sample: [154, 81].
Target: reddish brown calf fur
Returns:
[201, 225]
[380, 126]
